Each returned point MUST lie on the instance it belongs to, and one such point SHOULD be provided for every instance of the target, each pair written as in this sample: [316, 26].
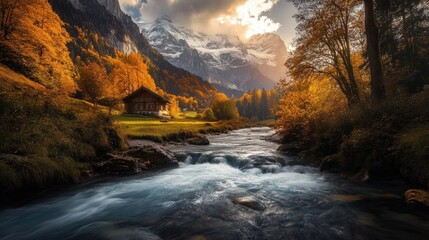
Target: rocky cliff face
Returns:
[106, 19]
[226, 60]
[113, 7]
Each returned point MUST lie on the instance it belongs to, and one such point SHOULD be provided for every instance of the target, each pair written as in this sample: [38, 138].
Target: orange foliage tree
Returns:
[305, 101]
[33, 41]
[93, 82]
[130, 73]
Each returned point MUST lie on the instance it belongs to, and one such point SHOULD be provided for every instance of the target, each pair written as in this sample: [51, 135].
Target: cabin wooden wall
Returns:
[145, 102]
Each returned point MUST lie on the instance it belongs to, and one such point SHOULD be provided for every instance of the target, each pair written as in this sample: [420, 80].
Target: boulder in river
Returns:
[153, 156]
[417, 197]
[200, 140]
[181, 157]
[119, 165]
[249, 202]
[136, 160]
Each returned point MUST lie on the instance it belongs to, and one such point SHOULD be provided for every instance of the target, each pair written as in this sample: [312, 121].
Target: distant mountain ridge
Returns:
[221, 59]
[106, 19]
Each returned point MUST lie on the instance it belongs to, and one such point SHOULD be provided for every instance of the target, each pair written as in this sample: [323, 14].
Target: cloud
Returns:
[239, 17]
[250, 15]
[132, 3]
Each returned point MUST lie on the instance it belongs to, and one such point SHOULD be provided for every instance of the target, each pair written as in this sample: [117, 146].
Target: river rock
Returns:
[153, 156]
[417, 197]
[118, 165]
[181, 157]
[200, 140]
[249, 202]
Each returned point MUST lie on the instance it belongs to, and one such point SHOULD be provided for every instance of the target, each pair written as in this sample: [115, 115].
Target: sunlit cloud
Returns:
[242, 18]
[250, 15]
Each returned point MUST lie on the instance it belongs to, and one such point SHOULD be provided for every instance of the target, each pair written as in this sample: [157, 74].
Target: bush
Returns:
[208, 115]
[413, 151]
[199, 116]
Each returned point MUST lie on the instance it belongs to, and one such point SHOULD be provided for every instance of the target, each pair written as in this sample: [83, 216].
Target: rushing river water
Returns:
[201, 200]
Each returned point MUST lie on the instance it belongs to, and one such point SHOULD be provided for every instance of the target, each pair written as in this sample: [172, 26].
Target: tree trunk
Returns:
[373, 48]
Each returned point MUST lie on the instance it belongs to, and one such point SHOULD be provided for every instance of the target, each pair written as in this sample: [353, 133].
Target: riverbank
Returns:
[142, 159]
[49, 140]
[379, 142]
[388, 140]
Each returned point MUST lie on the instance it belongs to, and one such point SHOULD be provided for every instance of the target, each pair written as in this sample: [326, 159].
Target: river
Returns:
[238, 187]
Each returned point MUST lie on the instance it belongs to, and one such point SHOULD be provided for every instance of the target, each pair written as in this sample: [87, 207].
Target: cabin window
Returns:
[151, 107]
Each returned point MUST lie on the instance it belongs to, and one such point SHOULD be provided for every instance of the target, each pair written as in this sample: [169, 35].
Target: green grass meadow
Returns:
[142, 126]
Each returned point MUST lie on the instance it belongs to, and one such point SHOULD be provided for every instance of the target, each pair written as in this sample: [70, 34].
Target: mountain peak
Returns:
[113, 7]
[164, 18]
[220, 58]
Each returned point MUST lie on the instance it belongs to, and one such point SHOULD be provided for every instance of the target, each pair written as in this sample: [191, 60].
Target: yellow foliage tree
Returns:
[130, 73]
[305, 101]
[38, 40]
[224, 108]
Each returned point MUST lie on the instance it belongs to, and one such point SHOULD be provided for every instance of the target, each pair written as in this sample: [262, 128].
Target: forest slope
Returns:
[49, 139]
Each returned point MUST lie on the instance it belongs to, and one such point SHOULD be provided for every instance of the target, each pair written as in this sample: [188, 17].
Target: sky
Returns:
[234, 17]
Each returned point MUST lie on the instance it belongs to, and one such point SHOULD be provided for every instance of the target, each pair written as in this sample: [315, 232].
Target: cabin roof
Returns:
[142, 90]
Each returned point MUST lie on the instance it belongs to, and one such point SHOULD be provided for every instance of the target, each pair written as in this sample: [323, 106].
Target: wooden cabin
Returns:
[143, 101]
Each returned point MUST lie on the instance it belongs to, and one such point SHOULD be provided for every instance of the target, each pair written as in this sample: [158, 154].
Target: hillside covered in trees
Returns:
[48, 138]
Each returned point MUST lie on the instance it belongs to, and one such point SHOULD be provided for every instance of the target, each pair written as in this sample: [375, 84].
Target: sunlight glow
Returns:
[250, 15]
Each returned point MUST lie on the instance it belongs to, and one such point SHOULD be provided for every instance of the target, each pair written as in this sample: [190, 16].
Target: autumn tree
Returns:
[33, 42]
[173, 107]
[304, 101]
[224, 108]
[93, 82]
[329, 33]
[11, 13]
[208, 115]
[130, 73]
[257, 104]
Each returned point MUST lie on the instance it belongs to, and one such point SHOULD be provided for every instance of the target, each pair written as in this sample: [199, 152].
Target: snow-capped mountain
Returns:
[220, 58]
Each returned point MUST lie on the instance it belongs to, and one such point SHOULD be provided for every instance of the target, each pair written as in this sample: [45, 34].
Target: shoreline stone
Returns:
[136, 160]
[200, 140]
[417, 197]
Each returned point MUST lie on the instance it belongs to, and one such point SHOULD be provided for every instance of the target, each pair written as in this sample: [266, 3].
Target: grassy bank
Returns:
[179, 129]
[47, 138]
